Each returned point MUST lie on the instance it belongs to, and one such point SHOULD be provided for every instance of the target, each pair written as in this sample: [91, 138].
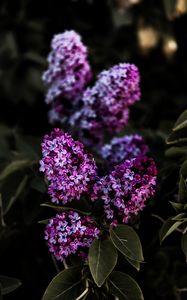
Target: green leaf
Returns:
[8, 284]
[67, 285]
[176, 152]
[35, 58]
[127, 242]
[182, 185]
[182, 190]
[181, 122]
[8, 204]
[134, 263]
[2, 222]
[177, 137]
[178, 207]
[28, 146]
[15, 166]
[183, 170]
[184, 244]
[124, 287]
[179, 217]
[38, 184]
[64, 208]
[102, 259]
[46, 221]
[168, 227]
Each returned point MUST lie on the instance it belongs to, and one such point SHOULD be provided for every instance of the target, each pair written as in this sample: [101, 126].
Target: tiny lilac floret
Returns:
[69, 233]
[126, 189]
[68, 167]
[123, 148]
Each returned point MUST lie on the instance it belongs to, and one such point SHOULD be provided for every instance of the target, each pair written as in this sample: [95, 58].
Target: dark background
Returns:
[26, 29]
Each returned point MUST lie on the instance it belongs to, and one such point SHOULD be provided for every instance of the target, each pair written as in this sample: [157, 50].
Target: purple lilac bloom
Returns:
[70, 170]
[69, 233]
[106, 104]
[123, 148]
[125, 190]
[68, 72]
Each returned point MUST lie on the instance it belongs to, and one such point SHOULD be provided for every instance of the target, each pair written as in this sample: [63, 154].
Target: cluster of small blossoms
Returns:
[70, 170]
[69, 233]
[106, 104]
[68, 73]
[125, 190]
[123, 148]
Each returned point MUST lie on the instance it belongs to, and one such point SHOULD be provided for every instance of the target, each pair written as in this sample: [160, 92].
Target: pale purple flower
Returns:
[68, 167]
[106, 105]
[126, 189]
[69, 233]
[122, 148]
[68, 73]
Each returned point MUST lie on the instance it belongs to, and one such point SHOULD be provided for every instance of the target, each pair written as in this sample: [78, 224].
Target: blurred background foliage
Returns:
[151, 34]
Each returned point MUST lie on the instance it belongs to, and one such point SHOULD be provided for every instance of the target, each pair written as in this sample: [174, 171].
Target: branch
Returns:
[163, 221]
[84, 293]
[55, 263]
[65, 264]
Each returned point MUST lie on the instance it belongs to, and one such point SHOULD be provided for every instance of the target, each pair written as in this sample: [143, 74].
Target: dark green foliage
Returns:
[68, 284]
[127, 242]
[122, 285]
[102, 260]
[8, 284]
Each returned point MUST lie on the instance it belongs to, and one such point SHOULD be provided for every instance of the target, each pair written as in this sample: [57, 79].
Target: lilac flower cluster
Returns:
[125, 190]
[68, 167]
[123, 148]
[68, 73]
[69, 233]
[106, 104]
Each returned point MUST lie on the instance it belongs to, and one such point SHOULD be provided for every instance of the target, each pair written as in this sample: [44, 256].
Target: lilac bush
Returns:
[67, 166]
[125, 190]
[92, 113]
[69, 233]
[122, 148]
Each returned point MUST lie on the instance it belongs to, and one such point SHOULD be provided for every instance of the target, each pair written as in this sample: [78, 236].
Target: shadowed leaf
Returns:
[127, 242]
[102, 260]
[124, 287]
[184, 244]
[8, 284]
[67, 285]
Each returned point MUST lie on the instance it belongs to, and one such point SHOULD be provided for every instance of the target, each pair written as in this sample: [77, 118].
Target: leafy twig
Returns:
[163, 221]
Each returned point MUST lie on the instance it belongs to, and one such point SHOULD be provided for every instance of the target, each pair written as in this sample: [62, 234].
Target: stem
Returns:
[65, 264]
[84, 293]
[158, 217]
[55, 263]
[162, 220]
